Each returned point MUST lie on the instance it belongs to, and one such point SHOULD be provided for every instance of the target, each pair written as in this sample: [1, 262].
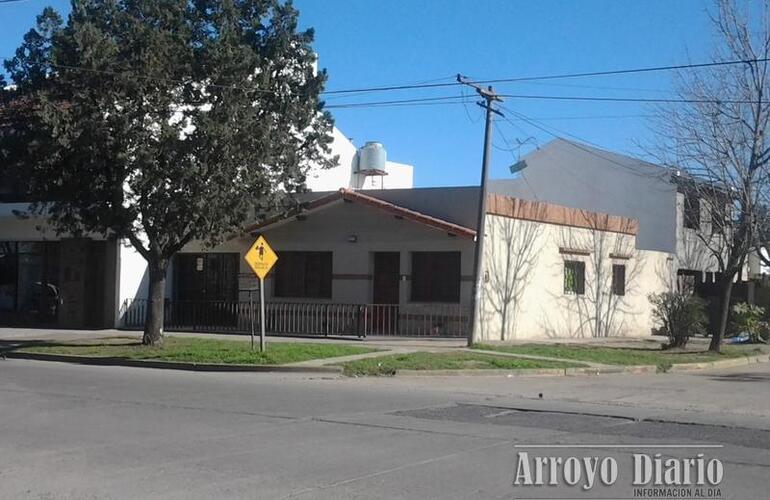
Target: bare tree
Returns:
[715, 137]
[510, 266]
[599, 311]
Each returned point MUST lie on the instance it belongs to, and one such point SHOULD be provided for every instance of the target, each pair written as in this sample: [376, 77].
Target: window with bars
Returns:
[619, 279]
[574, 277]
[436, 277]
[303, 275]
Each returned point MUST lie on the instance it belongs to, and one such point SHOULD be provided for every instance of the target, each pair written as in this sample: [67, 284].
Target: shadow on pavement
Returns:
[742, 377]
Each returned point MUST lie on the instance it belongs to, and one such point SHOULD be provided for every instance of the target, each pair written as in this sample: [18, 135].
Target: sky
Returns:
[369, 43]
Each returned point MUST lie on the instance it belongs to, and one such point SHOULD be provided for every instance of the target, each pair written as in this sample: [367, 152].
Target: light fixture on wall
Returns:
[199, 264]
[352, 238]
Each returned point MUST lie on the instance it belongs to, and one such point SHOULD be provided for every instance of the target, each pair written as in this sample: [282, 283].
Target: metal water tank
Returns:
[372, 157]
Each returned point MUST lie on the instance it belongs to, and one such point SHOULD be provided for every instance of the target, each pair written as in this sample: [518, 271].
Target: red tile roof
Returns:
[358, 197]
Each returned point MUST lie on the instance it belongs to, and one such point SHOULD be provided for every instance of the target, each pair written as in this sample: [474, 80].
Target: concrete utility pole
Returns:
[488, 96]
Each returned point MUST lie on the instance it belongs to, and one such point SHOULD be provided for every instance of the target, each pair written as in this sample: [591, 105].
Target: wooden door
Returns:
[385, 293]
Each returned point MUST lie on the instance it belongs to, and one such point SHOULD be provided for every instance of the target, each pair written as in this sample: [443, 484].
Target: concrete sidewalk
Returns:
[384, 345]
[10, 334]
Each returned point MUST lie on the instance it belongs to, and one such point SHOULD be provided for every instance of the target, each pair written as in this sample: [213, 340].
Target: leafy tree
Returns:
[166, 121]
[747, 318]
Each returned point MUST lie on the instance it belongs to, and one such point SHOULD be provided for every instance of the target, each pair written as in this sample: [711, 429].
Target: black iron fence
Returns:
[295, 318]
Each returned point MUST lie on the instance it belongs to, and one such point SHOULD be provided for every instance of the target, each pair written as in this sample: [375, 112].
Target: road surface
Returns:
[81, 432]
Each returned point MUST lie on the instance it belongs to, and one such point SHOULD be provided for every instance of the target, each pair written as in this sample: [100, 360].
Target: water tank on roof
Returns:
[371, 159]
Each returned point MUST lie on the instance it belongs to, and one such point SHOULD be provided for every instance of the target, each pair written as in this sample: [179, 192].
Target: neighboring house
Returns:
[401, 262]
[54, 280]
[552, 271]
[581, 176]
[46, 280]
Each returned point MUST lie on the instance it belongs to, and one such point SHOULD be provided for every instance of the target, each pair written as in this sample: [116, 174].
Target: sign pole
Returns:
[251, 317]
[261, 315]
[261, 258]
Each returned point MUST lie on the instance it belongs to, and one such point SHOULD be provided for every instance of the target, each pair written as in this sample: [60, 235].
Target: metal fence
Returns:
[295, 318]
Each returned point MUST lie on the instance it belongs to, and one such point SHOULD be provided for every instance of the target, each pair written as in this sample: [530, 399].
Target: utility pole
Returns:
[488, 97]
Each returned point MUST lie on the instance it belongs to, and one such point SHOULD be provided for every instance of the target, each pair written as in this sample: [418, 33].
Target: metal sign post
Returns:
[261, 317]
[261, 259]
[251, 317]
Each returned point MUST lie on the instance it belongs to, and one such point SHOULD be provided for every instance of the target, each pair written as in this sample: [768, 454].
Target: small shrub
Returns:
[747, 319]
[680, 316]
[764, 331]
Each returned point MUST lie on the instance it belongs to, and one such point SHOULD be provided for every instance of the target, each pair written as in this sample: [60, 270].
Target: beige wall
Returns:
[330, 228]
[523, 295]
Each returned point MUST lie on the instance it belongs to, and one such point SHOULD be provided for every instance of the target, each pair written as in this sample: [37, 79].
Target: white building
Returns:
[350, 171]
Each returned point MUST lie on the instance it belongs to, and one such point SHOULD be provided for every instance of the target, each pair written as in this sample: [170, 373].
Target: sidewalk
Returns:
[11, 334]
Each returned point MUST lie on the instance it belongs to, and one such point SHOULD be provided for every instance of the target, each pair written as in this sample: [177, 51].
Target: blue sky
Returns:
[365, 43]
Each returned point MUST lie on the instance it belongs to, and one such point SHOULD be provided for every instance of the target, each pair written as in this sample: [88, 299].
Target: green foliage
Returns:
[169, 119]
[165, 121]
[200, 350]
[389, 365]
[631, 356]
[748, 318]
[680, 315]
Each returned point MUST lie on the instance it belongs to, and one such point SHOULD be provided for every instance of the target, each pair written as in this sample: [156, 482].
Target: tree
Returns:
[716, 137]
[166, 121]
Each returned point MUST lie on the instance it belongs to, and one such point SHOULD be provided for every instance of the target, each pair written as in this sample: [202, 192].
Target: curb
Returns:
[529, 372]
[170, 365]
[548, 372]
[722, 363]
[589, 371]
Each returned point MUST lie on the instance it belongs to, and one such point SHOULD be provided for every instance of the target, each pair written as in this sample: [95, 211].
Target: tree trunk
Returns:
[724, 313]
[153, 324]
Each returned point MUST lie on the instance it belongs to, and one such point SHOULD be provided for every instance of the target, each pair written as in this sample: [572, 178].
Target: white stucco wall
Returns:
[524, 298]
[399, 175]
[133, 279]
[339, 176]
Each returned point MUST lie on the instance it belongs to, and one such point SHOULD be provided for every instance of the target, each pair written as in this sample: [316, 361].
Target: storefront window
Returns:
[30, 281]
[29, 277]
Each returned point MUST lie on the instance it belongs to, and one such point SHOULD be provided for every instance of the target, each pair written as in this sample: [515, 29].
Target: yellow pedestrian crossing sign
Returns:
[261, 258]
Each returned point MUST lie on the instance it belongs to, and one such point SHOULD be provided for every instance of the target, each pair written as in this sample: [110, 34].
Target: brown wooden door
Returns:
[385, 295]
[386, 277]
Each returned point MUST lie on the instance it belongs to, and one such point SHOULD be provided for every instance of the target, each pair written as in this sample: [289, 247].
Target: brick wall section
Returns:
[536, 211]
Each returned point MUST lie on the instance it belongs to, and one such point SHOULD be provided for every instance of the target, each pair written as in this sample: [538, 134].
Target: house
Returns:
[394, 261]
[582, 176]
[400, 262]
[59, 281]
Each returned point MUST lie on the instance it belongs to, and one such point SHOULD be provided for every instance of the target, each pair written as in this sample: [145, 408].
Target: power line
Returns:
[557, 76]
[398, 102]
[628, 99]
[551, 132]
[599, 87]
[450, 77]
[516, 159]
[364, 90]
[551, 97]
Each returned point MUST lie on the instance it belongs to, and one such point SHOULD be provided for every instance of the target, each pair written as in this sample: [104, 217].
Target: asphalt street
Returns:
[78, 432]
